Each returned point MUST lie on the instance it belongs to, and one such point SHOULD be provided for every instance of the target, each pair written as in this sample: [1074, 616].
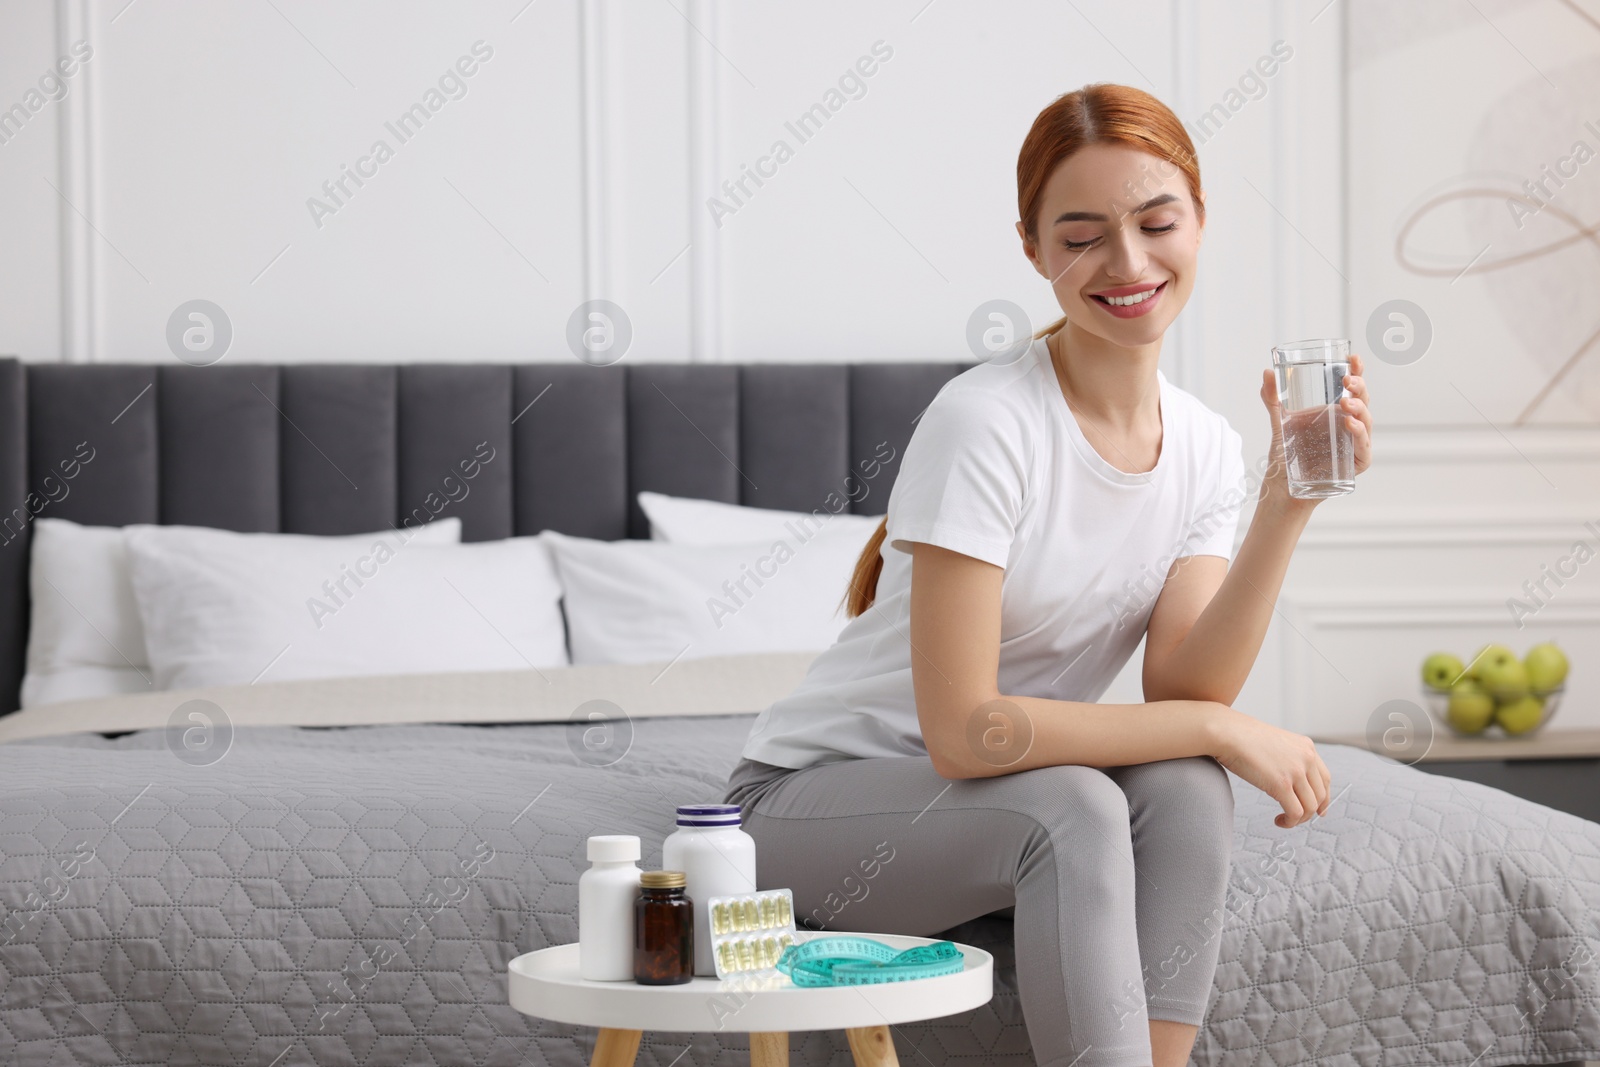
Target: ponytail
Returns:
[864, 581]
[1048, 330]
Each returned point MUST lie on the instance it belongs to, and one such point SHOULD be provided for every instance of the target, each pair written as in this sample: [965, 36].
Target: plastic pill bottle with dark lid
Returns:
[719, 860]
[663, 930]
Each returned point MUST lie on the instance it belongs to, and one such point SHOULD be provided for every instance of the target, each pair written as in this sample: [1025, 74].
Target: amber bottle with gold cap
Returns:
[663, 930]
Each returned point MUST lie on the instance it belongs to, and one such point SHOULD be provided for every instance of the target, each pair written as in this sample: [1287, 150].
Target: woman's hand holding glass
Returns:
[1355, 414]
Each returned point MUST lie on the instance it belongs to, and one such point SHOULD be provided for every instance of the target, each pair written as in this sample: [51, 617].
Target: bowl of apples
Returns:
[1495, 689]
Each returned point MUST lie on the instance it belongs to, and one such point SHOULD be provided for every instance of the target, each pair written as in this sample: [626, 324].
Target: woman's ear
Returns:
[1029, 250]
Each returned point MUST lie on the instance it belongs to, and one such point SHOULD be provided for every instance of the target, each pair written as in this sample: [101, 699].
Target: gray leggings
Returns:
[1101, 870]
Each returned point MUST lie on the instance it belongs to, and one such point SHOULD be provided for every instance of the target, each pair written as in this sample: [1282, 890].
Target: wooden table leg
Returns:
[769, 1049]
[872, 1046]
[615, 1048]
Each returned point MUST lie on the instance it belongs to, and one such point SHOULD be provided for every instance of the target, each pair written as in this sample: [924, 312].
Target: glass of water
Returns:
[1318, 448]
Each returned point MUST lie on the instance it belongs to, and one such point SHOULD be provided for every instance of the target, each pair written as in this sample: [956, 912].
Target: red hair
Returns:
[1096, 114]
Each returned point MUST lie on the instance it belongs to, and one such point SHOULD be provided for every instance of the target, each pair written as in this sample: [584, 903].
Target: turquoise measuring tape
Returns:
[844, 960]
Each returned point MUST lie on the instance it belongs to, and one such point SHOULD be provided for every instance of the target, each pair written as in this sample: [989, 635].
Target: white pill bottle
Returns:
[606, 895]
[718, 859]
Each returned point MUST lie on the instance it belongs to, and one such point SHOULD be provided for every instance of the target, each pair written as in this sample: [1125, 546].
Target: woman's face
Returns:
[1119, 241]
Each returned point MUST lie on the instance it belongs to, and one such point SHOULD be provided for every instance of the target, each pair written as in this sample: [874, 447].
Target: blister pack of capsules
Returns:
[749, 931]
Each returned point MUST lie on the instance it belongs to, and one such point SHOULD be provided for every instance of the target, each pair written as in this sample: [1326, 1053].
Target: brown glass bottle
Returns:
[663, 930]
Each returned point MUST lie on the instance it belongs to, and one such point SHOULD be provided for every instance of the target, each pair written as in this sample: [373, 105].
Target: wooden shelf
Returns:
[1547, 744]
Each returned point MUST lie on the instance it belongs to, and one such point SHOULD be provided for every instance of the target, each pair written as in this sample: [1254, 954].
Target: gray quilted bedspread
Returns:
[352, 896]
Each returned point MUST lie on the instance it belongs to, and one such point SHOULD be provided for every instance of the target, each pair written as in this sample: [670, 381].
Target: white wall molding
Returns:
[75, 132]
[1283, 107]
[1368, 608]
[595, 183]
[1479, 527]
[1459, 444]
[705, 119]
[1188, 364]
[1320, 619]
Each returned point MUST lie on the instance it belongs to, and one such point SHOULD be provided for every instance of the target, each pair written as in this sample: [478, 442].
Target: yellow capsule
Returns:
[785, 914]
[719, 918]
[725, 952]
[773, 949]
[769, 912]
[752, 917]
[746, 963]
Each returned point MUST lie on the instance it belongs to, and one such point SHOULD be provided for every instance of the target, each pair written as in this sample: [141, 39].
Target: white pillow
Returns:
[643, 601]
[85, 639]
[686, 521]
[224, 608]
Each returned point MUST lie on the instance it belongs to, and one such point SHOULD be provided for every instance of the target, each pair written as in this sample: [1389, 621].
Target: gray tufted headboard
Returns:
[338, 449]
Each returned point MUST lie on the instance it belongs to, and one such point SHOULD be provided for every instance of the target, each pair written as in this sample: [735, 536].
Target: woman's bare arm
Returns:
[955, 641]
[972, 730]
[1210, 619]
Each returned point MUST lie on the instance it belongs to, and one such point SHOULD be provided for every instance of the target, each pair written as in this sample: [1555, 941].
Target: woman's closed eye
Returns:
[1079, 246]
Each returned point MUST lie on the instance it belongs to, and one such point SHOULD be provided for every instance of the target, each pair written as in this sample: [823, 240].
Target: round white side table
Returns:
[546, 984]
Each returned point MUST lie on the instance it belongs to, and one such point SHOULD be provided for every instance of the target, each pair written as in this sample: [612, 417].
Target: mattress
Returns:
[351, 894]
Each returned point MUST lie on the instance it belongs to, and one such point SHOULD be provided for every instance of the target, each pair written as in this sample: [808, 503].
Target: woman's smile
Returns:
[1129, 301]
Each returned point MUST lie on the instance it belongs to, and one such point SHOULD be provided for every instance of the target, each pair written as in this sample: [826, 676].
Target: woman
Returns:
[945, 759]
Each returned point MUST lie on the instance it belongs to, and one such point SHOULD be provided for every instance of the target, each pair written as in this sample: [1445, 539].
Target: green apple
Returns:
[1547, 667]
[1471, 707]
[1520, 715]
[1485, 656]
[1506, 679]
[1441, 670]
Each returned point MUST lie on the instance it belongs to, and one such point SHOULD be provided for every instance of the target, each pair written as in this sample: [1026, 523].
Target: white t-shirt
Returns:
[999, 469]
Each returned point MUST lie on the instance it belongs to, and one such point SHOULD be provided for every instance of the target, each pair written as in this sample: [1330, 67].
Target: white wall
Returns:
[578, 165]
[580, 161]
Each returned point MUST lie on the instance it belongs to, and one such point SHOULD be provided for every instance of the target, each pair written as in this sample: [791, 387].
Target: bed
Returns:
[347, 884]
